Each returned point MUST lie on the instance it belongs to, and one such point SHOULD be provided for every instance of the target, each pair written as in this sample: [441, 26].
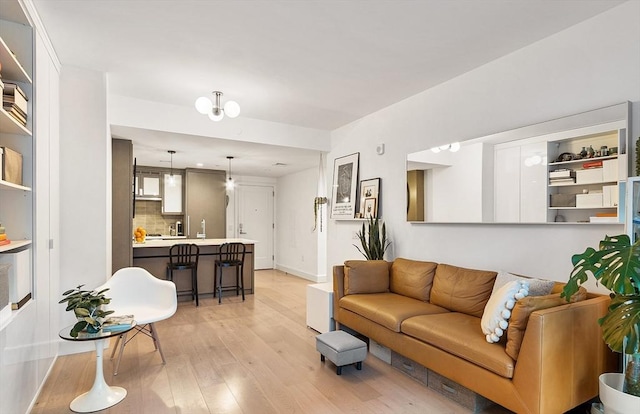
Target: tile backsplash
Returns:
[149, 216]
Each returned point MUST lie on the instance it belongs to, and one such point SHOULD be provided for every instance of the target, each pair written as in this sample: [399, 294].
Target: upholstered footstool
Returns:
[341, 349]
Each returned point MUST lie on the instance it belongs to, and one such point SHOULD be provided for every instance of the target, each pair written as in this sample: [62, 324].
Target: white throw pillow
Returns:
[497, 312]
[537, 287]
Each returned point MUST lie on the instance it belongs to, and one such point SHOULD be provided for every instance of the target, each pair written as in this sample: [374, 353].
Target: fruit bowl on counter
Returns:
[139, 235]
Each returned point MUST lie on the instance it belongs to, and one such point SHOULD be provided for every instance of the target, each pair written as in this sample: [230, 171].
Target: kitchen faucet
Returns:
[203, 226]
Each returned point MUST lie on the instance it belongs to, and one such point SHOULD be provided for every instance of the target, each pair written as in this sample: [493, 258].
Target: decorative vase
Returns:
[93, 329]
[616, 401]
[632, 376]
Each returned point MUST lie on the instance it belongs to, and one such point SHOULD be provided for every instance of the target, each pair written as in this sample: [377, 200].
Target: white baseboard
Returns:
[302, 274]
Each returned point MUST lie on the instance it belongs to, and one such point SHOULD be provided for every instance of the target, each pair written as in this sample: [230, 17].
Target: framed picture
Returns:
[369, 198]
[369, 207]
[345, 183]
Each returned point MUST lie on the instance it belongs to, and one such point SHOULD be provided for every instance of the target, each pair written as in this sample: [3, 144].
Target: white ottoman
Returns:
[341, 349]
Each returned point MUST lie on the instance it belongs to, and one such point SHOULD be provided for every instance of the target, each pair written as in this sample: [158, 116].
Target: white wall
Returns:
[588, 66]
[85, 185]
[296, 241]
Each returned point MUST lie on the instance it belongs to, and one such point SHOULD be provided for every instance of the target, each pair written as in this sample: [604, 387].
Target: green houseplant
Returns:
[616, 266]
[374, 240]
[86, 305]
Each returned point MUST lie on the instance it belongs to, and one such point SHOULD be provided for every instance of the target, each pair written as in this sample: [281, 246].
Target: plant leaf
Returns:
[622, 321]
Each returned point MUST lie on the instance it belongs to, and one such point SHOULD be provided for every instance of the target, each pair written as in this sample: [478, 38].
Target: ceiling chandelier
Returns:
[214, 109]
[453, 147]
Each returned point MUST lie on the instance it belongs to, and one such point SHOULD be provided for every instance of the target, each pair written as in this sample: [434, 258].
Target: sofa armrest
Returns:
[562, 355]
[338, 286]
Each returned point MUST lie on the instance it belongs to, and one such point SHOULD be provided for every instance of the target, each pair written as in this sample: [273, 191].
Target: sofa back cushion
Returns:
[462, 290]
[412, 278]
[524, 308]
[366, 276]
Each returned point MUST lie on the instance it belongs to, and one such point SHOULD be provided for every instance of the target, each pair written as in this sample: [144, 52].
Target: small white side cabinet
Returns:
[320, 307]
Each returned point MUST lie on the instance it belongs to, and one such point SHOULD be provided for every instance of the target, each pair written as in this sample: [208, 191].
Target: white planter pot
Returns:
[614, 400]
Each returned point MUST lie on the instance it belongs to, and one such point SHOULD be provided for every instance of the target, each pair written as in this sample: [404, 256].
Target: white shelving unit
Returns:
[589, 194]
[16, 200]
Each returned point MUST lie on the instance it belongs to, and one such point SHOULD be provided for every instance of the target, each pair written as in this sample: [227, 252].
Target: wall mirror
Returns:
[568, 170]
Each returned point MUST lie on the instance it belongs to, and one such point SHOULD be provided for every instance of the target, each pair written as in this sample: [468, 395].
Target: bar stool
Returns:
[183, 257]
[231, 255]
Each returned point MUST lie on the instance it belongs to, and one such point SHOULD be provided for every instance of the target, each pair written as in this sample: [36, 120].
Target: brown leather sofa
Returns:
[430, 313]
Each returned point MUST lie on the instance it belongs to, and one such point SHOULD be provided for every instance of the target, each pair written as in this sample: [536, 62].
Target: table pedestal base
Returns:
[101, 395]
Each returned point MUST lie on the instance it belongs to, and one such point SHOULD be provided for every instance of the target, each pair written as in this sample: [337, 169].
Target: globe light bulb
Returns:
[232, 109]
[216, 115]
[435, 149]
[454, 147]
[204, 105]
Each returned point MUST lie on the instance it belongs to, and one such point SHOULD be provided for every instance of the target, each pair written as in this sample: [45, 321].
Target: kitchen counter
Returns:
[153, 255]
[200, 242]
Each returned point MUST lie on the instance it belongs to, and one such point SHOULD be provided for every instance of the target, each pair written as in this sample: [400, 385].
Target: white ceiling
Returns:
[316, 64]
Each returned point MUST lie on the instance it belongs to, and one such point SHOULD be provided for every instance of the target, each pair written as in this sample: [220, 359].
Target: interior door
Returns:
[255, 221]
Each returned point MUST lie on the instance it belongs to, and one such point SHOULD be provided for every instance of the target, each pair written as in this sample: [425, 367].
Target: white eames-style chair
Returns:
[134, 291]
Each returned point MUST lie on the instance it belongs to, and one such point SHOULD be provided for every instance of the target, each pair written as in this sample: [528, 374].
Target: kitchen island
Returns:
[153, 255]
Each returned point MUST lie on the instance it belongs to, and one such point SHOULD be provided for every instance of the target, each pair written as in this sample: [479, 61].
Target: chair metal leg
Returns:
[113, 351]
[123, 342]
[156, 341]
[242, 281]
[194, 281]
[220, 286]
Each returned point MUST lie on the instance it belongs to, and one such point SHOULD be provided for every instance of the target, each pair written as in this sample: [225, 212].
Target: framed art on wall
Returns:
[345, 183]
[369, 198]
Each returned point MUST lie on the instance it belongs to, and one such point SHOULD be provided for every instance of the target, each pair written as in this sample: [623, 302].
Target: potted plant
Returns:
[374, 241]
[86, 305]
[616, 266]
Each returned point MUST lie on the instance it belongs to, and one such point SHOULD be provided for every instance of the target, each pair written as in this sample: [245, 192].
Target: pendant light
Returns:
[172, 180]
[230, 184]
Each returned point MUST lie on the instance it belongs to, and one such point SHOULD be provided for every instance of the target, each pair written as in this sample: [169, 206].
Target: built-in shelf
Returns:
[6, 185]
[10, 125]
[11, 68]
[582, 160]
[581, 184]
[583, 208]
[15, 244]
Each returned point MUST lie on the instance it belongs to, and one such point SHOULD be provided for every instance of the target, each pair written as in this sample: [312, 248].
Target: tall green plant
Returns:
[616, 266]
[374, 240]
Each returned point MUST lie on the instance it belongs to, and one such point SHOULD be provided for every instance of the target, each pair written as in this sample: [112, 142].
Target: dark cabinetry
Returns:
[205, 203]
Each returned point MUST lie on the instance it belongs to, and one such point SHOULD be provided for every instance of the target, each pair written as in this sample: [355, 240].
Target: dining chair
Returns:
[135, 291]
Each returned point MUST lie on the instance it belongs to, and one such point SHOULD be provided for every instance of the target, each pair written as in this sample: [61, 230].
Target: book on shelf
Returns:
[592, 164]
[561, 181]
[116, 323]
[562, 173]
[21, 302]
[5, 242]
[14, 95]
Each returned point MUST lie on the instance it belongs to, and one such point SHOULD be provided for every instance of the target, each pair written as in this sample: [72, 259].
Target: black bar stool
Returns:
[183, 257]
[231, 255]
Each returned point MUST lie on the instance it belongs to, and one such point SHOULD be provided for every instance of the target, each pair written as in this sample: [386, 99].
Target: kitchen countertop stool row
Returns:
[184, 256]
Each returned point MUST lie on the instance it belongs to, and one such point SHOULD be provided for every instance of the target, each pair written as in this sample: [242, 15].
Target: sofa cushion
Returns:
[537, 287]
[387, 309]
[366, 276]
[459, 334]
[412, 278]
[524, 308]
[495, 318]
[462, 290]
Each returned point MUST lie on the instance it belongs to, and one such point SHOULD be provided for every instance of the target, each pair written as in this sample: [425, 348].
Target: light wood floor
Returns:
[252, 357]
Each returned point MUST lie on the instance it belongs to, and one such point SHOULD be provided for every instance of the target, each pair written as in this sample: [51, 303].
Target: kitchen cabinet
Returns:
[172, 193]
[122, 206]
[205, 203]
[148, 186]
